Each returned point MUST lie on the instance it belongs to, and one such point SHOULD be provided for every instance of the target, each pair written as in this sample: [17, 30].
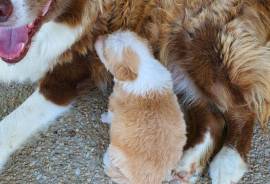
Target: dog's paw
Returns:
[188, 172]
[193, 161]
[190, 167]
[106, 117]
[227, 167]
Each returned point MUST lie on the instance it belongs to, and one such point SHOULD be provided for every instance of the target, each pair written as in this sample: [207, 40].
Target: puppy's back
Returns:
[150, 131]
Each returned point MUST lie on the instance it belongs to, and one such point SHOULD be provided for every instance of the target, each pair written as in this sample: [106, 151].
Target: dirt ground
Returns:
[70, 151]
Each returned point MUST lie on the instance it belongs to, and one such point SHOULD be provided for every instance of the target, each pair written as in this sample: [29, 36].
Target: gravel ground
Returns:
[71, 150]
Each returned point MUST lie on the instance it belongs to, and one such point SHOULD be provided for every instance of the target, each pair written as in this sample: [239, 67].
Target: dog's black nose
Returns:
[6, 9]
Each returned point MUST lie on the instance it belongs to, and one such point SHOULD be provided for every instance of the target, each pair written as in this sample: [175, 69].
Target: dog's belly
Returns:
[50, 42]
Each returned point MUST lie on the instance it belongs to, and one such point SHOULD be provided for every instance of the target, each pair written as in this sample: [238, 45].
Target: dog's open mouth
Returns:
[15, 42]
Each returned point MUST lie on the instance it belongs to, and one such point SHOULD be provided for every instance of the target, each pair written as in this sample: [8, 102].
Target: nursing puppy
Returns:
[148, 130]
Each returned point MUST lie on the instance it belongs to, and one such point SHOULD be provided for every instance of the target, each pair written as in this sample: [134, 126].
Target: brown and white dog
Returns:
[217, 51]
[148, 131]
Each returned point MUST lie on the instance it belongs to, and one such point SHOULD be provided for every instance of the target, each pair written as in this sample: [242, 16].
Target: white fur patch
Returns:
[152, 75]
[227, 167]
[184, 85]
[20, 15]
[49, 43]
[33, 115]
[190, 165]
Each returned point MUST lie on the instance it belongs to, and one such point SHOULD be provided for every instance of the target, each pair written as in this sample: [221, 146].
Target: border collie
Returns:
[217, 51]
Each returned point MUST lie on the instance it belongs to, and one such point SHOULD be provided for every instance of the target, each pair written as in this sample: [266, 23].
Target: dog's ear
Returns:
[128, 69]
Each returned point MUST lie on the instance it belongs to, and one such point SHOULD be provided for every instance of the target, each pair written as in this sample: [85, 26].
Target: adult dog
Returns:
[217, 51]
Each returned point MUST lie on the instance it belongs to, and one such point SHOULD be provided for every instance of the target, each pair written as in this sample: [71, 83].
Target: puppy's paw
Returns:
[107, 162]
[227, 167]
[106, 117]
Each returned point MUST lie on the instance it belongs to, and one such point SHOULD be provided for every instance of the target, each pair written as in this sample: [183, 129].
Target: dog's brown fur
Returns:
[222, 46]
[102, 17]
[226, 54]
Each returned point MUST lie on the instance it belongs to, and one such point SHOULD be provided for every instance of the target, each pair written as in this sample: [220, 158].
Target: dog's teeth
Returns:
[22, 45]
[46, 8]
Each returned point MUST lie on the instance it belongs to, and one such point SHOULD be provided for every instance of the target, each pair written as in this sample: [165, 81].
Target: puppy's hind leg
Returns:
[29, 118]
[114, 163]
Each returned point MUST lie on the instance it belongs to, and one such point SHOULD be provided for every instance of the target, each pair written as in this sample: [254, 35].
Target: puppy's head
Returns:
[129, 58]
[120, 54]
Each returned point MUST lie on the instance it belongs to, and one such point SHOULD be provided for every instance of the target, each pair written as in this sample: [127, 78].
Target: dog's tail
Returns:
[252, 59]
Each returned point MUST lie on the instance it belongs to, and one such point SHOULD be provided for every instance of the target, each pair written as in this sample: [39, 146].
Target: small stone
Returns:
[72, 133]
[39, 177]
[78, 172]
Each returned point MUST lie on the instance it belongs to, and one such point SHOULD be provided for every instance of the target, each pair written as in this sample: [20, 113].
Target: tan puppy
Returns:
[148, 130]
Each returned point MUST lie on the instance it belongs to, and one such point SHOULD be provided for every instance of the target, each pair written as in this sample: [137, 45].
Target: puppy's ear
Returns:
[128, 69]
[124, 73]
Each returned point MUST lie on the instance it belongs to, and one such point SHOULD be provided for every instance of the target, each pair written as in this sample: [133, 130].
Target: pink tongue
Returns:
[13, 42]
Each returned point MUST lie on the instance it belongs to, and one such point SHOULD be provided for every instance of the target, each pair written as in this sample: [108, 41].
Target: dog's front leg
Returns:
[32, 116]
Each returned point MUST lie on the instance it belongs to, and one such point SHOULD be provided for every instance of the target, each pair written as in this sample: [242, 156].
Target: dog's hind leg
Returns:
[230, 165]
[32, 116]
[205, 131]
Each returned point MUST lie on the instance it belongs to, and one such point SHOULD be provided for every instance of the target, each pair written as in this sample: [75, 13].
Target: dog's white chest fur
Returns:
[49, 43]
